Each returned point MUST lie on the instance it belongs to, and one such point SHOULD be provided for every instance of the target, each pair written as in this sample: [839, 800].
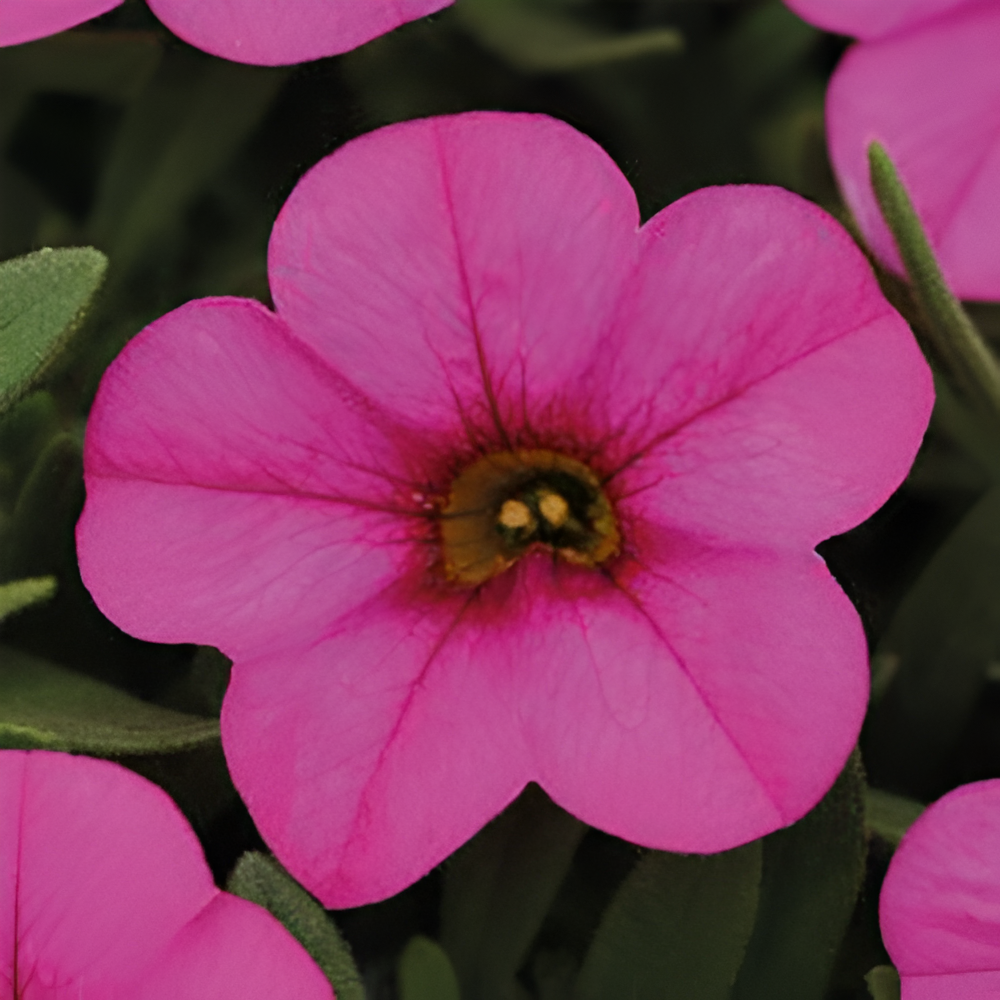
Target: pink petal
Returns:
[872, 18]
[275, 32]
[963, 985]
[418, 719]
[369, 757]
[231, 949]
[26, 20]
[419, 257]
[238, 493]
[940, 904]
[74, 831]
[756, 355]
[932, 98]
[105, 895]
[695, 705]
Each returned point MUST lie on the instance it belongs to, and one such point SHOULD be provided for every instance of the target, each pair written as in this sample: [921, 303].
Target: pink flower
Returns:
[940, 905]
[925, 82]
[511, 489]
[105, 895]
[26, 20]
[264, 32]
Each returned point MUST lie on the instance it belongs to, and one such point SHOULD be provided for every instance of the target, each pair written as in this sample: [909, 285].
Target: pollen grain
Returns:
[516, 514]
[554, 509]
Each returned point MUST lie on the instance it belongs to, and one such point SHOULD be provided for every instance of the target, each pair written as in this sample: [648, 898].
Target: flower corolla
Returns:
[105, 895]
[924, 81]
[262, 32]
[510, 488]
[26, 20]
[940, 902]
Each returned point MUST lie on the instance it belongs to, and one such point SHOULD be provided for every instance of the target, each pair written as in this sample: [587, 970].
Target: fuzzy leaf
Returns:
[43, 706]
[952, 336]
[21, 594]
[678, 927]
[883, 983]
[812, 875]
[42, 296]
[499, 887]
[263, 881]
[537, 40]
[889, 815]
[425, 972]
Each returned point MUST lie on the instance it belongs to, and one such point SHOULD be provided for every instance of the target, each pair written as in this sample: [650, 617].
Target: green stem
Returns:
[952, 336]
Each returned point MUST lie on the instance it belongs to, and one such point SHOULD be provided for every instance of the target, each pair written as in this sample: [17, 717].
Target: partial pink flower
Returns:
[872, 18]
[926, 84]
[26, 20]
[510, 488]
[263, 32]
[105, 895]
[279, 32]
[940, 904]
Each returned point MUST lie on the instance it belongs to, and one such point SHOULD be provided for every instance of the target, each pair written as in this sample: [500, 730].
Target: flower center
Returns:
[511, 501]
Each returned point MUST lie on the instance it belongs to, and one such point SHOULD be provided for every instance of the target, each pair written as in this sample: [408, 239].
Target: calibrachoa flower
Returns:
[925, 82]
[26, 20]
[511, 489]
[264, 32]
[940, 903]
[105, 895]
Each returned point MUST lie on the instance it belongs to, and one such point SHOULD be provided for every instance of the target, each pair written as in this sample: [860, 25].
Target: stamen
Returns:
[554, 509]
[510, 503]
[516, 514]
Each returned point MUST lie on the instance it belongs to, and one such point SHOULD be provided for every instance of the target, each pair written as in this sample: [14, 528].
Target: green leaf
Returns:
[46, 508]
[263, 881]
[952, 337]
[945, 633]
[499, 887]
[677, 927]
[114, 65]
[425, 973]
[21, 594]
[883, 983]
[812, 874]
[537, 40]
[889, 815]
[25, 430]
[48, 707]
[187, 124]
[42, 297]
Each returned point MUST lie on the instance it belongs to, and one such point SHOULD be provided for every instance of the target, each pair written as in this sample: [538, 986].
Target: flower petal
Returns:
[696, 706]
[276, 33]
[106, 896]
[872, 18]
[757, 354]
[932, 98]
[368, 758]
[233, 949]
[460, 270]
[26, 20]
[967, 985]
[940, 903]
[237, 493]
[99, 870]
